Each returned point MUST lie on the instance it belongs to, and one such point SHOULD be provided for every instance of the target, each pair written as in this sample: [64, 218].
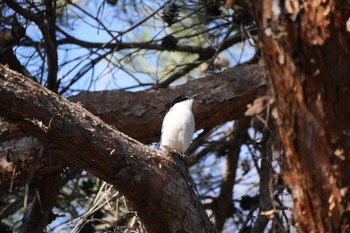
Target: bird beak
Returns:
[192, 96]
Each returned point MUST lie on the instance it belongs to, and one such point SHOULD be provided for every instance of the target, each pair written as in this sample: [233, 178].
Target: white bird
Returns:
[178, 124]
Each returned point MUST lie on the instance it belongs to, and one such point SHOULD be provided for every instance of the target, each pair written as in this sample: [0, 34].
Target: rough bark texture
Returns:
[158, 185]
[17, 157]
[222, 97]
[306, 49]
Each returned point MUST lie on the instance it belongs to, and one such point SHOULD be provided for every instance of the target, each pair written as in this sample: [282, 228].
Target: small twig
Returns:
[249, 218]
[97, 204]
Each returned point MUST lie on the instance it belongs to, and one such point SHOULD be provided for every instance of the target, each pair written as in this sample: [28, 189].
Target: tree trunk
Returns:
[306, 51]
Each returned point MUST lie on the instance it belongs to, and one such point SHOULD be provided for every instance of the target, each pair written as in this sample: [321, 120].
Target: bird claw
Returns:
[172, 149]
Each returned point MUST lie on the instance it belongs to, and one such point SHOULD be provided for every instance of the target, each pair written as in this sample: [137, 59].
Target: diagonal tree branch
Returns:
[132, 113]
[157, 184]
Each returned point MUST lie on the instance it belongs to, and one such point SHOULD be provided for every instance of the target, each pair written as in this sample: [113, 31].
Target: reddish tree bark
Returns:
[306, 50]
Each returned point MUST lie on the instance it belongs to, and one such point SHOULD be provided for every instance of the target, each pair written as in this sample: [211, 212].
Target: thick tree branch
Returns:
[131, 113]
[156, 183]
[222, 97]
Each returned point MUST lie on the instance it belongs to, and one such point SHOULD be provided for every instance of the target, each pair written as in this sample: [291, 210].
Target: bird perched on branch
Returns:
[178, 124]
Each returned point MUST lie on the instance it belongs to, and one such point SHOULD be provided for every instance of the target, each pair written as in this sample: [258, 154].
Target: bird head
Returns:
[182, 98]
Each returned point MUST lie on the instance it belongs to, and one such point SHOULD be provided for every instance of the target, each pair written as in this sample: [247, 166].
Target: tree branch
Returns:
[223, 207]
[37, 216]
[157, 184]
[267, 208]
[131, 113]
[222, 97]
[49, 37]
